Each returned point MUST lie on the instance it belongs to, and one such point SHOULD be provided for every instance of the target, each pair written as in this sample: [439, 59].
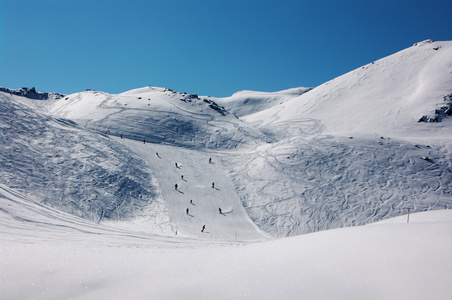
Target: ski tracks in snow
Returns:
[300, 186]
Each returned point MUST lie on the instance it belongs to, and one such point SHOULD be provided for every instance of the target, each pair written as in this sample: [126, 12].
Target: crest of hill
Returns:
[158, 115]
[388, 96]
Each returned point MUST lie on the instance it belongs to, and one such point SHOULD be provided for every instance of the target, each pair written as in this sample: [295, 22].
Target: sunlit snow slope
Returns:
[352, 151]
[158, 115]
[386, 97]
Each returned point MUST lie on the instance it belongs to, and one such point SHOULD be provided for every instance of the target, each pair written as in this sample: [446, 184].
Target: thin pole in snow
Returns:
[408, 219]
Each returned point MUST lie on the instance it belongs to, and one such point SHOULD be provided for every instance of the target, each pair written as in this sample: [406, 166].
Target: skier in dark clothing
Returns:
[121, 135]
[220, 211]
[210, 160]
[176, 165]
[175, 186]
[144, 141]
[182, 177]
[213, 185]
[187, 211]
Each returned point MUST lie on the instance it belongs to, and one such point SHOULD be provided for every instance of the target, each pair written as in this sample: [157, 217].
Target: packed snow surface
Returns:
[153, 193]
[47, 254]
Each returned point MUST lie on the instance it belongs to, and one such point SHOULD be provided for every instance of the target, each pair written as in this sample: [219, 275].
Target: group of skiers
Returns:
[187, 211]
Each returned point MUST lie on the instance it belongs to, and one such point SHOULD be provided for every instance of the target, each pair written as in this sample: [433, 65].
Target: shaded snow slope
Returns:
[391, 260]
[58, 163]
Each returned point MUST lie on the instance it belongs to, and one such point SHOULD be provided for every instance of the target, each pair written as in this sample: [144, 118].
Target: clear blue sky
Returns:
[208, 47]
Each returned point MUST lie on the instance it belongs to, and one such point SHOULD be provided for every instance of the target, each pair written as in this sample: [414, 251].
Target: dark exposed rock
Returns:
[440, 113]
[31, 93]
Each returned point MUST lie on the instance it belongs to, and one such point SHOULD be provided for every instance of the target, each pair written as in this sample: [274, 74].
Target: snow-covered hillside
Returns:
[348, 152]
[352, 151]
[58, 163]
[158, 115]
[386, 97]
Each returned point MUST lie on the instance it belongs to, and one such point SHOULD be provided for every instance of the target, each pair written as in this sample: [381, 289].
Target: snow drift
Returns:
[388, 260]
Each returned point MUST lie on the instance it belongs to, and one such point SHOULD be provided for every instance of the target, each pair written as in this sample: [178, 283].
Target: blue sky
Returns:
[208, 47]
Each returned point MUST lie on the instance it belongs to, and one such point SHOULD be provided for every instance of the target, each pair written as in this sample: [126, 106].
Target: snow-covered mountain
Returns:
[387, 97]
[153, 165]
[348, 152]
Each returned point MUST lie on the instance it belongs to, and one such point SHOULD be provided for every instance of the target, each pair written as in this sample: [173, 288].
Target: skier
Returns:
[144, 141]
[210, 160]
[187, 211]
[176, 165]
[121, 135]
[175, 186]
[220, 211]
[156, 153]
[203, 227]
[213, 185]
[191, 201]
[182, 177]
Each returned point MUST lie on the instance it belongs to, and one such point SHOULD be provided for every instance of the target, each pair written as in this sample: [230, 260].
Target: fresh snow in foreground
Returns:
[387, 260]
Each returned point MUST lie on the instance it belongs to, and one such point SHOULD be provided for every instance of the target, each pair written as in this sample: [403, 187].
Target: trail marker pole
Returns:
[408, 219]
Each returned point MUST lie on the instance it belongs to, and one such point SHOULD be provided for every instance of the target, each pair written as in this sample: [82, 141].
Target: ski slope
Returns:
[198, 174]
[348, 152]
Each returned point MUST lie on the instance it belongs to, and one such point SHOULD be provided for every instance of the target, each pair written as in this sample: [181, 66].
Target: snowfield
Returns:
[47, 254]
[304, 193]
